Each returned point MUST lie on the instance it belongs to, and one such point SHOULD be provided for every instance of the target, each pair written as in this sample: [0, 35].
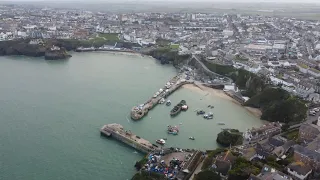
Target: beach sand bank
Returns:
[216, 92]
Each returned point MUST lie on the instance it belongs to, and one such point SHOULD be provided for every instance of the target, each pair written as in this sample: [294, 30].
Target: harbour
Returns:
[117, 132]
[73, 99]
[138, 112]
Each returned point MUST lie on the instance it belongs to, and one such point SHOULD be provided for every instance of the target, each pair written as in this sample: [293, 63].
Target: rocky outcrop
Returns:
[56, 54]
[230, 137]
[21, 47]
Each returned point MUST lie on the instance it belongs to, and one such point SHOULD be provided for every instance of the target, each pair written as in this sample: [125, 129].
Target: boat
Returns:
[221, 123]
[201, 112]
[191, 138]
[168, 103]
[161, 101]
[208, 116]
[173, 130]
[161, 141]
[177, 109]
[184, 107]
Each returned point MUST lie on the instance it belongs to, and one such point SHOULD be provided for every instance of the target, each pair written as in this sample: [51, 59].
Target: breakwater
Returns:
[138, 112]
[119, 133]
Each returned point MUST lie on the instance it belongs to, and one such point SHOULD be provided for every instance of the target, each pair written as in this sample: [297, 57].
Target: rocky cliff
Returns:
[21, 47]
[56, 54]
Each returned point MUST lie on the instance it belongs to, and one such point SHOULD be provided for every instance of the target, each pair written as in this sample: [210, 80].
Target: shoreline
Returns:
[216, 92]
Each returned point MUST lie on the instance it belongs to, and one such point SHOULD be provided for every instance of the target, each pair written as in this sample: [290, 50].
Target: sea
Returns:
[51, 113]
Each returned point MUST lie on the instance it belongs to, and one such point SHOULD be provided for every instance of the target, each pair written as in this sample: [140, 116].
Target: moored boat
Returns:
[162, 100]
[208, 116]
[201, 112]
[191, 138]
[161, 141]
[168, 103]
[173, 130]
[177, 109]
[221, 123]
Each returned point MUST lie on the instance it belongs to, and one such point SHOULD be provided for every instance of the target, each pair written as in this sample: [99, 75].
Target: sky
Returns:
[238, 1]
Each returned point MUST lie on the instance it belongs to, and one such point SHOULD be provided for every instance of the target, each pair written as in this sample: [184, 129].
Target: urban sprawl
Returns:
[284, 50]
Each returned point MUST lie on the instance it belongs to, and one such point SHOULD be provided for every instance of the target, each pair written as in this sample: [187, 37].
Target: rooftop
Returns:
[300, 167]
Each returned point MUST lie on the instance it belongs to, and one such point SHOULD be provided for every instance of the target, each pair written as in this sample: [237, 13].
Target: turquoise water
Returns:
[51, 113]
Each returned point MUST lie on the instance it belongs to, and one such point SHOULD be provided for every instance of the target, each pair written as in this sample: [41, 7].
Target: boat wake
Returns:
[128, 119]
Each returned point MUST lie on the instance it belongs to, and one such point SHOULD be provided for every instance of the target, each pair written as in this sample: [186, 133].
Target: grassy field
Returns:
[292, 135]
[174, 46]
[109, 36]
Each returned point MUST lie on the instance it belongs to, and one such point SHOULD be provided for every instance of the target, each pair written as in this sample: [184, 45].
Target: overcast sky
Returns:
[238, 1]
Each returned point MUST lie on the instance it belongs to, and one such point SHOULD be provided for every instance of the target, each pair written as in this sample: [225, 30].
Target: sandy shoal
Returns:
[217, 92]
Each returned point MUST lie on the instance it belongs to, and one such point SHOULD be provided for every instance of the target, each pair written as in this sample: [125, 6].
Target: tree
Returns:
[207, 175]
[242, 169]
[285, 127]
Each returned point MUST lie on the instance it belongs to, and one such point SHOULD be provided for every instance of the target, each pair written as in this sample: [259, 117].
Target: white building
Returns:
[299, 170]
[278, 48]
[257, 48]
[227, 33]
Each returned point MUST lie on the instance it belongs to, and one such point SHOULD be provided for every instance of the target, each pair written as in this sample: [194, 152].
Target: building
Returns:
[223, 163]
[268, 173]
[278, 48]
[299, 170]
[314, 72]
[307, 156]
[308, 132]
[261, 49]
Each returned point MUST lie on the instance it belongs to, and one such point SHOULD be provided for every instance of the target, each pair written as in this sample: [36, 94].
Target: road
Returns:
[310, 119]
[208, 70]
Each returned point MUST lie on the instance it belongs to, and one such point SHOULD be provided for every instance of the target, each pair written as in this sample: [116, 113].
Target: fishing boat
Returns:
[162, 100]
[201, 112]
[174, 130]
[161, 141]
[191, 138]
[208, 116]
[177, 109]
[221, 123]
[168, 103]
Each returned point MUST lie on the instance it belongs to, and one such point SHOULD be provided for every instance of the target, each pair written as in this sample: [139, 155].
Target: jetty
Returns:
[138, 112]
[117, 132]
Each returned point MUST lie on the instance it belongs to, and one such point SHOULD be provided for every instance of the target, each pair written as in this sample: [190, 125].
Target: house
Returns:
[304, 89]
[283, 149]
[268, 173]
[307, 156]
[223, 163]
[303, 68]
[308, 132]
[299, 170]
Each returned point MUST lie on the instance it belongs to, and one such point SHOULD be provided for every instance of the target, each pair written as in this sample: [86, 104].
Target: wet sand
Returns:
[216, 92]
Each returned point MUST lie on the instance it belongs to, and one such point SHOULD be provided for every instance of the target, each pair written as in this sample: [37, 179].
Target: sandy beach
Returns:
[216, 92]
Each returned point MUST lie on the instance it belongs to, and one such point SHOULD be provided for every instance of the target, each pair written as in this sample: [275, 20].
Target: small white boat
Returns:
[161, 141]
[162, 100]
[191, 138]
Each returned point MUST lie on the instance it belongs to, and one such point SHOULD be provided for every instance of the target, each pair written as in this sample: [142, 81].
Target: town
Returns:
[250, 55]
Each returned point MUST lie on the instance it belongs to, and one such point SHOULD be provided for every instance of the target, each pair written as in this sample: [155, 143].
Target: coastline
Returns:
[216, 92]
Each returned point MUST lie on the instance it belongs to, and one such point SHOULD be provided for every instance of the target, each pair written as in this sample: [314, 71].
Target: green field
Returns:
[174, 46]
[109, 36]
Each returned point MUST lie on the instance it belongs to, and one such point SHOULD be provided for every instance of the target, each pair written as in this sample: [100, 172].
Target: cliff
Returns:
[21, 47]
[56, 54]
